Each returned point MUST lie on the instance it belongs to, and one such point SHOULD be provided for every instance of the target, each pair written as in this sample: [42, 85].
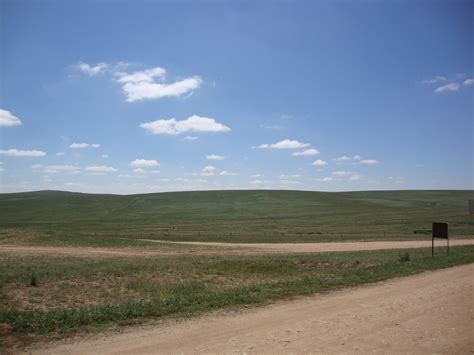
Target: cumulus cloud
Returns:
[145, 90]
[369, 161]
[51, 169]
[142, 85]
[139, 171]
[192, 124]
[435, 79]
[190, 138]
[256, 176]
[227, 173]
[143, 163]
[84, 145]
[325, 179]
[91, 70]
[285, 144]
[306, 153]
[343, 158]
[215, 157]
[468, 82]
[208, 171]
[22, 153]
[100, 169]
[343, 173]
[147, 75]
[7, 119]
[447, 87]
[319, 162]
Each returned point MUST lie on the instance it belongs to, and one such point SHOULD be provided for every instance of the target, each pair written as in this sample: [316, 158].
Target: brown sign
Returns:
[440, 230]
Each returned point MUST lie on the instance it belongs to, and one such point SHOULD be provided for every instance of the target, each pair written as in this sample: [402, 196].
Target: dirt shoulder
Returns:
[227, 248]
[427, 313]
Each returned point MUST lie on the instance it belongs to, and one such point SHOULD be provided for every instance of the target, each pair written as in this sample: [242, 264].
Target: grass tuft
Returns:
[404, 257]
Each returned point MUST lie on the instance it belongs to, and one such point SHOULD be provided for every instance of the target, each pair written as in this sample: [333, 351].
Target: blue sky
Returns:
[148, 96]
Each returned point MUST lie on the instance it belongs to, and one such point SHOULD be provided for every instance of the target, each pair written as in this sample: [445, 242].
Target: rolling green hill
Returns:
[245, 216]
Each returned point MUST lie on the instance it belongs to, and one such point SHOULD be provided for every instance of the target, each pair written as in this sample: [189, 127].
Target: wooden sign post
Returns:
[439, 230]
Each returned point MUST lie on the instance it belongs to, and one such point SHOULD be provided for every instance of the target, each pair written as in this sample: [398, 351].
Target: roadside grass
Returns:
[62, 218]
[79, 294]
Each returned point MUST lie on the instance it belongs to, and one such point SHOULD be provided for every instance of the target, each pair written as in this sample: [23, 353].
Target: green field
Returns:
[63, 218]
[87, 294]
[45, 295]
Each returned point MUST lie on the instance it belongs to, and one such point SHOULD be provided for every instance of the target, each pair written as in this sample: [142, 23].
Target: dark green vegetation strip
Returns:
[126, 290]
[61, 218]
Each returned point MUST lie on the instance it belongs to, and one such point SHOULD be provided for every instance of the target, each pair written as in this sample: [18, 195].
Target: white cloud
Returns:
[144, 90]
[91, 70]
[215, 157]
[343, 173]
[468, 82]
[284, 144]
[192, 124]
[356, 159]
[343, 158]
[51, 169]
[257, 181]
[307, 152]
[83, 145]
[147, 75]
[325, 179]
[435, 79]
[355, 177]
[208, 171]
[37, 166]
[7, 119]
[101, 169]
[60, 154]
[143, 163]
[447, 87]
[319, 162]
[22, 153]
[155, 172]
[105, 156]
[190, 138]
[139, 171]
[369, 161]
[227, 173]
[256, 176]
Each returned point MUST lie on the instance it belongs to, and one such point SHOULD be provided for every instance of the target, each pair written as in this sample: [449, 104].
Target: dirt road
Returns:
[427, 313]
[324, 247]
[225, 248]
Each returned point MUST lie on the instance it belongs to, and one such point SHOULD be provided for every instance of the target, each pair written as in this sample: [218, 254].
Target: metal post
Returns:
[432, 247]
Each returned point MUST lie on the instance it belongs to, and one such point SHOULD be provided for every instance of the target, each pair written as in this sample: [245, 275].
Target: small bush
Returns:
[404, 257]
[34, 280]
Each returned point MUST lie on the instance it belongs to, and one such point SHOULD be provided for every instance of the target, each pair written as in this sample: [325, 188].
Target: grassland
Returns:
[44, 295]
[84, 294]
[62, 218]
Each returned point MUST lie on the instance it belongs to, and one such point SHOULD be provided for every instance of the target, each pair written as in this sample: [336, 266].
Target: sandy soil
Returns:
[427, 313]
[325, 247]
[227, 248]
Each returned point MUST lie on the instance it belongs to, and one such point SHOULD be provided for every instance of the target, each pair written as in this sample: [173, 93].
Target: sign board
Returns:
[439, 230]
[471, 206]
